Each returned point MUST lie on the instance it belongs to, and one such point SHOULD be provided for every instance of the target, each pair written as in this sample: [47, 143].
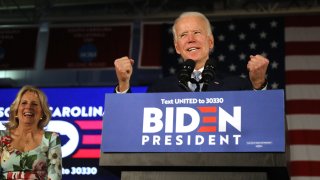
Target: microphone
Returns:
[184, 74]
[208, 74]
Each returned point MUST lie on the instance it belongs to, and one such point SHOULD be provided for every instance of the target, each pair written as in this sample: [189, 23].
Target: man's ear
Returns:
[211, 41]
[177, 48]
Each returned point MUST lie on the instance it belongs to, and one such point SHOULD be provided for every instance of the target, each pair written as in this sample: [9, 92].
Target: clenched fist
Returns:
[257, 67]
[123, 67]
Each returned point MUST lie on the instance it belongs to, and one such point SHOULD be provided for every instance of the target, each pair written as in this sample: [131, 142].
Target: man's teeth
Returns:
[192, 49]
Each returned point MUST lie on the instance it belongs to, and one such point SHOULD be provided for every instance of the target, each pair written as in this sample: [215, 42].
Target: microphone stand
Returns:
[184, 86]
[204, 87]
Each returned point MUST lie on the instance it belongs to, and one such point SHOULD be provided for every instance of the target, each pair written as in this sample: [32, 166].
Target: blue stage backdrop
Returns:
[77, 115]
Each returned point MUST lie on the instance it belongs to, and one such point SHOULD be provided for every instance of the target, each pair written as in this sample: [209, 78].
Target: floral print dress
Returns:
[43, 162]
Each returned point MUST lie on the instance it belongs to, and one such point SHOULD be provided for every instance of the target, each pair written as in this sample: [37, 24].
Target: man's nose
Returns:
[191, 38]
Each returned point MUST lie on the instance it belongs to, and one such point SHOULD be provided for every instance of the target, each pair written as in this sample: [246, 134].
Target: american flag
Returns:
[302, 49]
[293, 51]
[236, 40]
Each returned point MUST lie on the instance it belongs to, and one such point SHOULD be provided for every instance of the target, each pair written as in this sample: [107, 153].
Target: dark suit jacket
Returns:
[220, 83]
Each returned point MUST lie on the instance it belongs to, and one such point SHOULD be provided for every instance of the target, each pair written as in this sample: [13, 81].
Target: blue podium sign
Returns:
[229, 121]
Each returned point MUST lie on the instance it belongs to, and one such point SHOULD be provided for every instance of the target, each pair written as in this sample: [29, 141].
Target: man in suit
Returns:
[193, 39]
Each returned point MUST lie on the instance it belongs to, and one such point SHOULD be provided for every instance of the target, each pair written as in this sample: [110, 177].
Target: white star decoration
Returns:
[232, 27]
[221, 37]
[242, 36]
[232, 47]
[242, 56]
[221, 57]
[232, 67]
[263, 35]
[264, 54]
[172, 70]
[274, 65]
[273, 23]
[171, 50]
[274, 85]
[180, 60]
[252, 45]
[274, 44]
[243, 75]
[252, 25]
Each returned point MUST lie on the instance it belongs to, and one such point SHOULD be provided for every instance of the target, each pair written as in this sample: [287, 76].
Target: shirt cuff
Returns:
[264, 86]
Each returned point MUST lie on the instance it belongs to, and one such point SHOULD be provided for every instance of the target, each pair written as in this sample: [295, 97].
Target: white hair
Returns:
[195, 14]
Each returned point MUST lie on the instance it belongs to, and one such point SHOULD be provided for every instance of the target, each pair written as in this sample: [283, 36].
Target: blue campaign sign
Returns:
[230, 121]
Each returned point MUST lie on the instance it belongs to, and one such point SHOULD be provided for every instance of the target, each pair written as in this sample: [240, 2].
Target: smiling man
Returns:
[193, 40]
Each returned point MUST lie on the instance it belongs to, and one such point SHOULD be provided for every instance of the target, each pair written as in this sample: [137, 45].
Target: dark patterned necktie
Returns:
[195, 80]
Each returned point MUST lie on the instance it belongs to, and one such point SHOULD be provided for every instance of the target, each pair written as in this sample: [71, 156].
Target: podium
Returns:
[243, 162]
[197, 166]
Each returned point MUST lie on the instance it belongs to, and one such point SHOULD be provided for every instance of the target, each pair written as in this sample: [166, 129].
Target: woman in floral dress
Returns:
[27, 151]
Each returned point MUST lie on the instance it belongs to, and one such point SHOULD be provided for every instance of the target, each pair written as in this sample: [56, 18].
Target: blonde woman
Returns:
[27, 150]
